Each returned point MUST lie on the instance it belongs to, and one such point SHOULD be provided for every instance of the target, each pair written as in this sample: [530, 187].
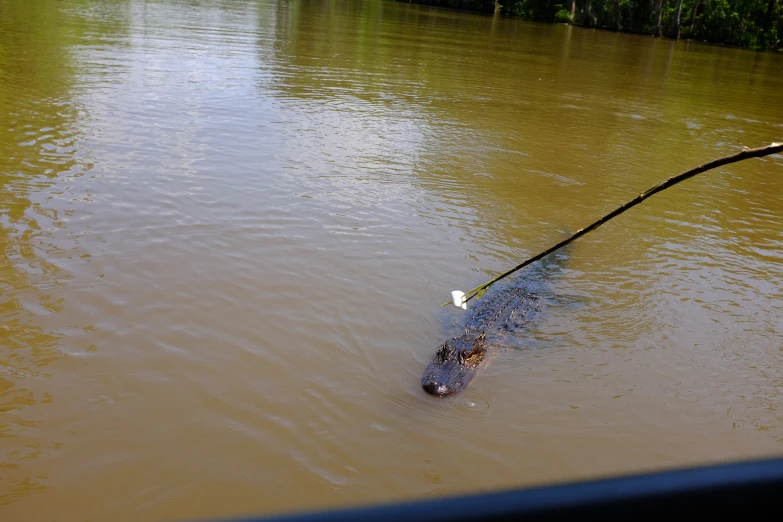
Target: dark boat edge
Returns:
[736, 489]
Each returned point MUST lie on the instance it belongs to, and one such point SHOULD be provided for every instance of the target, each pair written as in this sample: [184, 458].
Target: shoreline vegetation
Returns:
[752, 24]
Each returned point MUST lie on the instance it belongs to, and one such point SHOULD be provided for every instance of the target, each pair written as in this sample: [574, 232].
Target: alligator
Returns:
[499, 314]
[458, 360]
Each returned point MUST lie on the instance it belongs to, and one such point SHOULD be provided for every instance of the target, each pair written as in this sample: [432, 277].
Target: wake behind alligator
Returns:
[504, 312]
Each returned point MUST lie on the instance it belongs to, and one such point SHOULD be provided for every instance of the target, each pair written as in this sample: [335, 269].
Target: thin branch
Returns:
[743, 155]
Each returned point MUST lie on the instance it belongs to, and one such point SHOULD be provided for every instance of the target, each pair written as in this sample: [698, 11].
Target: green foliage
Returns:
[562, 16]
[757, 24]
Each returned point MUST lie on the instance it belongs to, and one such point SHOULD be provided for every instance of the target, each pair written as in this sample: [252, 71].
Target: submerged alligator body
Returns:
[458, 359]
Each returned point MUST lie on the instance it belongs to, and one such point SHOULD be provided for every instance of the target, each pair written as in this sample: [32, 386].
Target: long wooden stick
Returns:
[743, 155]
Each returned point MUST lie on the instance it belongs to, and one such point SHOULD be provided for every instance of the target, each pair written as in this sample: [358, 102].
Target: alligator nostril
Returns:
[436, 388]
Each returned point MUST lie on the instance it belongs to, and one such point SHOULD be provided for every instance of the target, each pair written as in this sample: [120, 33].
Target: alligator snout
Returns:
[438, 389]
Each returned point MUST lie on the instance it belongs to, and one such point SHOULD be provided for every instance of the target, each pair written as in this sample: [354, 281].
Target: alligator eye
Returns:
[441, 354]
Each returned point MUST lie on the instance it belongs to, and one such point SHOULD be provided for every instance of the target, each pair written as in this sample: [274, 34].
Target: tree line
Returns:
[757, 24]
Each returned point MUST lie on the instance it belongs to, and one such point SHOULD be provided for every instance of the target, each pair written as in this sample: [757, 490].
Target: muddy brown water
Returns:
[226, 229]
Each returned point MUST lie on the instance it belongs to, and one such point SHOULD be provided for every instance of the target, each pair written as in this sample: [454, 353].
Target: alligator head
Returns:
[454, 365]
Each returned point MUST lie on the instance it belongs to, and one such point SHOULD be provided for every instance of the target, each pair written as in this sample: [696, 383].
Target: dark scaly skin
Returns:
[458, 359]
